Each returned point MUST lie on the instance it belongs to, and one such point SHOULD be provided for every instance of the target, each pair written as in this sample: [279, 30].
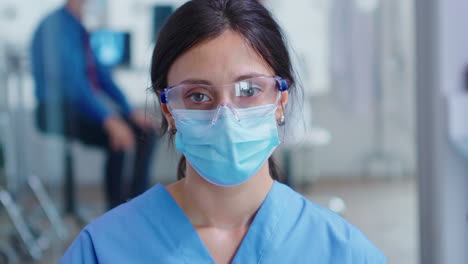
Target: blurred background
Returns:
[381, 137]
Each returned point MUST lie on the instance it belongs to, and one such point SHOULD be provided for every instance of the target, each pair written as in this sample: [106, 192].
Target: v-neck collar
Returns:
[254, 243]
[263, 228]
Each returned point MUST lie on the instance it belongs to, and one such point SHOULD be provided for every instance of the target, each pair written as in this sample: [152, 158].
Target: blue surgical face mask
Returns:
[231, 150]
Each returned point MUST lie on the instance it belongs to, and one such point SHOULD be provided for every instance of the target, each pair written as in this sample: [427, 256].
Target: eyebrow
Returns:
[248, 76]
[206, 82]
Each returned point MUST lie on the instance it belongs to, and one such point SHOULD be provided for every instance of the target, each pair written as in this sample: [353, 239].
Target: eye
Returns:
[198, 97]
[249, 91]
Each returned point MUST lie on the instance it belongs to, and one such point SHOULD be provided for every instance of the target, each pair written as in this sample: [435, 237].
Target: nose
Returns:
[223, 108]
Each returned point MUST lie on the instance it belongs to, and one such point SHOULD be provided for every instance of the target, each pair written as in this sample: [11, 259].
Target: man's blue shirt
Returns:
[59, 67]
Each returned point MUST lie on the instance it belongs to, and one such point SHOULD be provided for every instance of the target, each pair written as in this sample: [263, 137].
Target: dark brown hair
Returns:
[200, 20]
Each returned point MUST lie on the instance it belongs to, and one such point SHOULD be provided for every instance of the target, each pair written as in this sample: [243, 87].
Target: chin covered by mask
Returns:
[228, 152]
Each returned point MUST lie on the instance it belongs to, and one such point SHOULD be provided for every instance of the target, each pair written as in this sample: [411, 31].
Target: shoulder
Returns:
[327, 227]
[59, 22]
[136, 211]
[138, 215]
[53, 18]
[107, 237]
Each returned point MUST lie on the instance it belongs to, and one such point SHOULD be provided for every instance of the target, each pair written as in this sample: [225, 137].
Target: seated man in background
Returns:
[77, 98]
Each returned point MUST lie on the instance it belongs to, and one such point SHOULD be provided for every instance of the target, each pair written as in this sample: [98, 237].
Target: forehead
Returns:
[219, 61]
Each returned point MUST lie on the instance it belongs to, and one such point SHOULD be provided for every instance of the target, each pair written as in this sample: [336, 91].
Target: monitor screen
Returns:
[111, 48]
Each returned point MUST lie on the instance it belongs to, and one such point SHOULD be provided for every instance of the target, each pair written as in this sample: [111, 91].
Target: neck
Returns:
[208, 205]
[74, 7]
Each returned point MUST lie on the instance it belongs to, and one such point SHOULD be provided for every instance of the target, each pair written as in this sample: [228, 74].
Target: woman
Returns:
[223, 74]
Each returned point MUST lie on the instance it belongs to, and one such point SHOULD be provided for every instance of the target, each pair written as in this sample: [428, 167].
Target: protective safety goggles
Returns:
[253, 93]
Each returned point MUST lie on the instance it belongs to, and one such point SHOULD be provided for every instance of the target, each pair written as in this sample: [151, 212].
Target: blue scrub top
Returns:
[287, 228]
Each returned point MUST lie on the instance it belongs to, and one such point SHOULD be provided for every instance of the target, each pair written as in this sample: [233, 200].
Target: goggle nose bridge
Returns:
[220, 108]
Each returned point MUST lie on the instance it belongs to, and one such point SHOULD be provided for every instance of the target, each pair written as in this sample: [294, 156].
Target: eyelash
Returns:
[197, 93]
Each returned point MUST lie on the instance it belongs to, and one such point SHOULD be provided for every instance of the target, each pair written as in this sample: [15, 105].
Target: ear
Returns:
[168, 116]
[280, 109]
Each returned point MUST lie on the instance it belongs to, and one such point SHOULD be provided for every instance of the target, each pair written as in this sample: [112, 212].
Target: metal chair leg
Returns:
[22, 229]
[48, 206]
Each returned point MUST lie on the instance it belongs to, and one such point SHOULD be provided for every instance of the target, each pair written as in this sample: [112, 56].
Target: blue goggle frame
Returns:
[282, 86]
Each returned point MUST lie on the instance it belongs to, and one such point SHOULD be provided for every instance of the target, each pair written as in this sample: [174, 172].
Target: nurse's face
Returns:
[219, 61]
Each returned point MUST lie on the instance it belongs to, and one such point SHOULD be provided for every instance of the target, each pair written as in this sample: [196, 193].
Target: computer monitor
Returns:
[111, 48]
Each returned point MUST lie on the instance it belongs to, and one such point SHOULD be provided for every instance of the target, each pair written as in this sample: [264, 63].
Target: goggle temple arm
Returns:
[282, 84]
[163, 96]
